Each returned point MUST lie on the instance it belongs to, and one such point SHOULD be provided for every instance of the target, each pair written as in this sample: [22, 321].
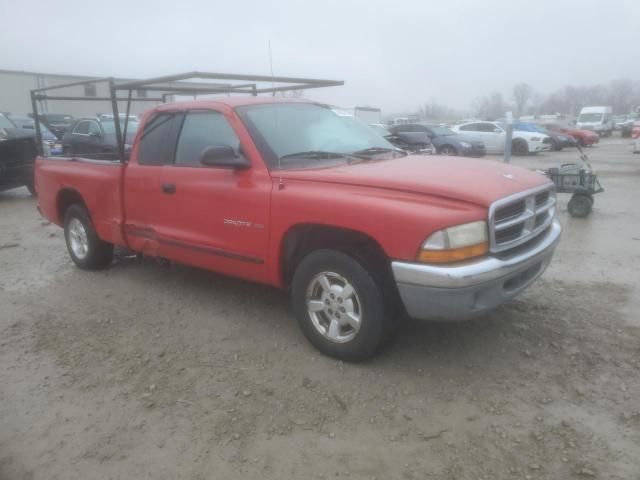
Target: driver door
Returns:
[214, 217]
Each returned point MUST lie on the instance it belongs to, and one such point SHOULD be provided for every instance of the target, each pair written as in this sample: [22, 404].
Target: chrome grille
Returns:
[521, 217]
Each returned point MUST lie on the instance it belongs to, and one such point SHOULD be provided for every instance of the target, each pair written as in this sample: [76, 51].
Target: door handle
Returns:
[169, 188]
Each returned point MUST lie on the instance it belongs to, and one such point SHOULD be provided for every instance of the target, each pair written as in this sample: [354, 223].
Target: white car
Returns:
[493, 134]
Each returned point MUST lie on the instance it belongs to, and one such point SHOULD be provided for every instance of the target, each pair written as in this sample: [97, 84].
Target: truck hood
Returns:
[480, 182]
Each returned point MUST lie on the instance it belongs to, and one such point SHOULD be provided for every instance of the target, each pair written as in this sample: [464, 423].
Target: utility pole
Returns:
[508, 138]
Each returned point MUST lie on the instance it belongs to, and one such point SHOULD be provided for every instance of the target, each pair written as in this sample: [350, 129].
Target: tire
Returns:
[328, 327]
[580, 205]
[32, 188]
[447, 150]
[520, 147]
[581, 142]
[83, 244]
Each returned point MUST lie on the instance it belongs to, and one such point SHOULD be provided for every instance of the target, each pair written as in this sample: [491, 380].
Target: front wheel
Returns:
[448, 150]
[85, 247]
[520, 147]
[339, 305]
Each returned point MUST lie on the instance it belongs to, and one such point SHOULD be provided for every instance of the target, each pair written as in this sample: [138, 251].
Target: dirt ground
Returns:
[149, 371]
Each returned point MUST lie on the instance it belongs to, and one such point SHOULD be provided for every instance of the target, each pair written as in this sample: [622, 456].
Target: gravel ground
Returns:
[168, 372]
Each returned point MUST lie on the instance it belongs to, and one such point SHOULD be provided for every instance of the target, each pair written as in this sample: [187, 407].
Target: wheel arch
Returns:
[67, 197]
[449, 145]
[302, 239]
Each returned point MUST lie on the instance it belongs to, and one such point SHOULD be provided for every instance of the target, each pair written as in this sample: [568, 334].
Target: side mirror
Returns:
[94, 134]
[223, 156]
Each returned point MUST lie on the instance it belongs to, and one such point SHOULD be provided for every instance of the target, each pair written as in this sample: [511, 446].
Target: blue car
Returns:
[559, 140]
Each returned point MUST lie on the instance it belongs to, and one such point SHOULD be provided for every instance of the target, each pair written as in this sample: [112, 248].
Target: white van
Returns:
[598, 119]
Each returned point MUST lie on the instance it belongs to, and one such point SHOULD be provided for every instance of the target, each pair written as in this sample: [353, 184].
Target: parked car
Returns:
[445, 140]
[56, 122]
[635, 131]
[635, 134]
[50, 141]
[585, 138]
[625, 124]
[411, 142]
[493, 135]
[597, 119]
[558, 140]
[326, 210]
[92, 138]
[122, 116]
[17, 154]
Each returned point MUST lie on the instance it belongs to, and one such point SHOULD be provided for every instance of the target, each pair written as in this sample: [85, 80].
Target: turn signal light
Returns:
[453, 254]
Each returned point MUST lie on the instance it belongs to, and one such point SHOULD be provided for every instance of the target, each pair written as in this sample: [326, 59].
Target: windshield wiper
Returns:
[317, 154]
[376, 150]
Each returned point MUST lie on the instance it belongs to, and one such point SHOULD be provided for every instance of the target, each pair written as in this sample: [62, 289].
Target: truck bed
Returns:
[97, 182]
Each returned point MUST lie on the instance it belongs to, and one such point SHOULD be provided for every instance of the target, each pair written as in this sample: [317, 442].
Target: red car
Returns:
[288, 194]
[585, 138]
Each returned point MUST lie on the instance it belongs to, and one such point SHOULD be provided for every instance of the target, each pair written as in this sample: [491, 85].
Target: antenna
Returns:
[273, 83]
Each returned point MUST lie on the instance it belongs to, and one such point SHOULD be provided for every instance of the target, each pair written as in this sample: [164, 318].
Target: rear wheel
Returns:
[31, 187]
[85, 247]
[448, 150]
[339, 305]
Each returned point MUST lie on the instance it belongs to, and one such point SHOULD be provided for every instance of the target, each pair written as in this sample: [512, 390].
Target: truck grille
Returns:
[521, 217]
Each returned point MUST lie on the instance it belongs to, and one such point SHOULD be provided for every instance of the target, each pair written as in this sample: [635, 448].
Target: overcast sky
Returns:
[392, 54]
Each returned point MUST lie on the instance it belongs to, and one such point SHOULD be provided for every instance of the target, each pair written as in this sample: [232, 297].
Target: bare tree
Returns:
[622, 95]
[491, 107]
[522, 93]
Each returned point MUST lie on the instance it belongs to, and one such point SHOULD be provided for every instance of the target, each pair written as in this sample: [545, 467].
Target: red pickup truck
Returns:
[289, 194]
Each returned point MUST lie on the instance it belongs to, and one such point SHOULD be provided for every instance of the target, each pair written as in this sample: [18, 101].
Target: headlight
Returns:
[455, 244]
[535, 139]
[465, 144]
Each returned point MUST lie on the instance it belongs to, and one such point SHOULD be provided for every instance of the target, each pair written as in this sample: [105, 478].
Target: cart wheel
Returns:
[580, 205]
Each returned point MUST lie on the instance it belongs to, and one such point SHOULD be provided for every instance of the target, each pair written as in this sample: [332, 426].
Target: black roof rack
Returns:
[170, 85]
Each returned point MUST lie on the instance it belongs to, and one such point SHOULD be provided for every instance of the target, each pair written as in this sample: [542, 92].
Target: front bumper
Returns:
[475, 150]
[536, 147]
[464, 291]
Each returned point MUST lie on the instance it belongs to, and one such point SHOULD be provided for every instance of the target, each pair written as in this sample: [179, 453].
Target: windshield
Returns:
[441, 131]
[590, 117]
[5, 122]
[109, 126]
[291, 129]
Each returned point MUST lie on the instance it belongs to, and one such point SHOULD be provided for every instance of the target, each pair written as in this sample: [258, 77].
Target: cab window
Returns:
[200, 130]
